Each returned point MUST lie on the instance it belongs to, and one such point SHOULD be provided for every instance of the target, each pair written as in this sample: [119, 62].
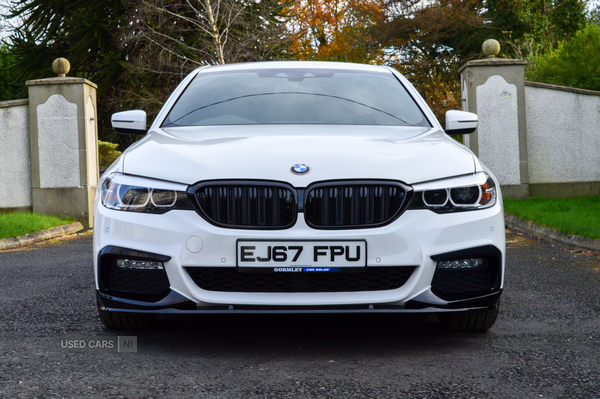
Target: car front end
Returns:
[298, 217]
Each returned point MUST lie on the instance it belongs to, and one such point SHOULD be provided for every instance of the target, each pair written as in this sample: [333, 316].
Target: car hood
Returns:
[188, 155]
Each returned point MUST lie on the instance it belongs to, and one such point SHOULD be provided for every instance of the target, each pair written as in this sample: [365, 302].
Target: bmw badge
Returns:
[300, 169]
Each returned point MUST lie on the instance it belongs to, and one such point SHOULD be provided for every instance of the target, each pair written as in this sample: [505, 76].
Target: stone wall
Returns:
[563, 134]
[538, 139]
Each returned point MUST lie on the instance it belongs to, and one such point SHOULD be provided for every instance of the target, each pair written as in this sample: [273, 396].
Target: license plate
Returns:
[301, 256]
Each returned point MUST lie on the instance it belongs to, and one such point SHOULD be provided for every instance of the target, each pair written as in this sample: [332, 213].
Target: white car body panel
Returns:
[264, 152]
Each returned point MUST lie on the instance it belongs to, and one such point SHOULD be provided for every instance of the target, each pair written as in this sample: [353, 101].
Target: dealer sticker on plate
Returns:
[302, 256]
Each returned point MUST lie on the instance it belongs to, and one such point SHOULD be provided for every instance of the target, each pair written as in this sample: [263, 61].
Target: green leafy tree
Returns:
[574, 62]
[84, 32]
[79, 30]
[431, 40]
[9, 86]
[137, 51]
[107, 153]
[534, 26]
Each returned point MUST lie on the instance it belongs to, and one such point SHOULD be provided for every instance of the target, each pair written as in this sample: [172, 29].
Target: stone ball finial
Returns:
[491, 48]
[61, 67]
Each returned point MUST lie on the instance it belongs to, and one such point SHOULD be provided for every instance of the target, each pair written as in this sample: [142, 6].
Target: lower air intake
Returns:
[228, 279]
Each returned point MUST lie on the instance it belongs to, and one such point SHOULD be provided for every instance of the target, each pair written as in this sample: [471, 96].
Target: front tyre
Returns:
[124, 321]
[468, 321]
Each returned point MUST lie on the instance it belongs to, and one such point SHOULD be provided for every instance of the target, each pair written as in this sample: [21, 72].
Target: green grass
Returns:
[18, 224]
[580, 215]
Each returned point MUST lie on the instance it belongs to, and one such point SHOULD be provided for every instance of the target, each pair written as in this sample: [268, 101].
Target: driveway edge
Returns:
[546, 233]
[53, 232]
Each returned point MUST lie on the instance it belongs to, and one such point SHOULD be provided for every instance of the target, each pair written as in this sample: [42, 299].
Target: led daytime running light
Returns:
[461, 264]
[139, 264]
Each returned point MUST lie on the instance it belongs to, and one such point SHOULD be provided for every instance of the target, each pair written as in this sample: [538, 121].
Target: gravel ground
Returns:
[546, 342]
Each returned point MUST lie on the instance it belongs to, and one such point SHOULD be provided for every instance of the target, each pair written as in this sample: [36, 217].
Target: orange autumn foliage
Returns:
[335, 30]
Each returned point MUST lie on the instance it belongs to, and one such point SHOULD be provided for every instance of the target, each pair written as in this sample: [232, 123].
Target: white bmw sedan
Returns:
[298, 187]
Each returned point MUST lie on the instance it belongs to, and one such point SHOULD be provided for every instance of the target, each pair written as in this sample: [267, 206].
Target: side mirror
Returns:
[460, 122]
[129, 122]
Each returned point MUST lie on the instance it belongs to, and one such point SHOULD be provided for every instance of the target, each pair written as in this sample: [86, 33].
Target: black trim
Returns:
[359, 309]
[106, 262]
[132, 254]
[428, 300]
[172, 300]
[122, 130]
[461, 131]
[175, 303]
[464, 284]
[476, 252]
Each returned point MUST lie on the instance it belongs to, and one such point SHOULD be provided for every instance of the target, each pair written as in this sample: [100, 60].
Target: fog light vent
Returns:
[139, 264]
[461, 264]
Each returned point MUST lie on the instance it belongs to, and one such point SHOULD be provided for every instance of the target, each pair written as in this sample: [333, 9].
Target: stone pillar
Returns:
[15, 164]
[64, 144]
[494, 89]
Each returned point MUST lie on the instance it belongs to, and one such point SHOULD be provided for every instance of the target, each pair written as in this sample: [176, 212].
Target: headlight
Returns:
[464, 193]
[134, 194]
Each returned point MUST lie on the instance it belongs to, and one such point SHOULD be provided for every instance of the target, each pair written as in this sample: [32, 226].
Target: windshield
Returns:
[295, 96]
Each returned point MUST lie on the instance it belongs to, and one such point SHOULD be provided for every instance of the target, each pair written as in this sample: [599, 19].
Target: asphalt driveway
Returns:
[546, 342]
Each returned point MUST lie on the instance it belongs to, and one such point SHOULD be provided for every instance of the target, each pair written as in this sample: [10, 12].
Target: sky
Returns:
[5, 24]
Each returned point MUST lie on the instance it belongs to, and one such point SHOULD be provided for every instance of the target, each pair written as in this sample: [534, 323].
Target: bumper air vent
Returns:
[228, 279]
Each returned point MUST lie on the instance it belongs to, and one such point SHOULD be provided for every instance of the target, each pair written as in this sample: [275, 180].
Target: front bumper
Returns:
[417, 240]
[175, 303]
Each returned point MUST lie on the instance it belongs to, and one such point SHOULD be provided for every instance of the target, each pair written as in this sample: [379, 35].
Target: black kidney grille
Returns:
[228, 279]
[246, 204]
[354, 204]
